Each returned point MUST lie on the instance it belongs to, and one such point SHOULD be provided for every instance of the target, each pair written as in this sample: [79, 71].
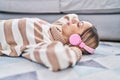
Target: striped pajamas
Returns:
[30, 38]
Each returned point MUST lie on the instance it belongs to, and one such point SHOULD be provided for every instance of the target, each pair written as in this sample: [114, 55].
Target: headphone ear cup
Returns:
[57, 36]
[75, 39]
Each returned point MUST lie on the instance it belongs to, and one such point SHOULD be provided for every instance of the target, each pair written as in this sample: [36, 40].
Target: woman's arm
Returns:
[53, 55]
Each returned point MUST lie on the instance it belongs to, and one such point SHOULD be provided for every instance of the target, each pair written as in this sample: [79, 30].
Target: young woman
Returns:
[56, 46]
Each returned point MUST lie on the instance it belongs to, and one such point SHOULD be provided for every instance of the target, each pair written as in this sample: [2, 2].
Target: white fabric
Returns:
[30, 6]
[90, 6]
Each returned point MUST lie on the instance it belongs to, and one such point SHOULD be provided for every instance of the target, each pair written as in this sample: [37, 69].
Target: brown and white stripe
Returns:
[69, 57]
[37, 55]
[22, 29]
[52, 57]
[30, 31]
[9, 37]
[37, 32]
[4, 44]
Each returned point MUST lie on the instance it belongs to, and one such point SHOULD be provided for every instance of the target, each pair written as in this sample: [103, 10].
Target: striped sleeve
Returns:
[16, 34]
[53, 55]
[13, 36]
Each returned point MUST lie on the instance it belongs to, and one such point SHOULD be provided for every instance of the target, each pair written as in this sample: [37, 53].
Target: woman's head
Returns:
[86, 30]
[70, 24]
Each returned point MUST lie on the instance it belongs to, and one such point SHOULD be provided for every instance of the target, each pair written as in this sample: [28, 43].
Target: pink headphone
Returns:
[75, 40]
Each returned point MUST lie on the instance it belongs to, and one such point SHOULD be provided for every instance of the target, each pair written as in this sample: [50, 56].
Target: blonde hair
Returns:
[90, 38]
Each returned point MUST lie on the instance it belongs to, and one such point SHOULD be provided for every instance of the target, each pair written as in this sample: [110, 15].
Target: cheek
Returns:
[66, 30]
[79, 31]
[75, 30]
